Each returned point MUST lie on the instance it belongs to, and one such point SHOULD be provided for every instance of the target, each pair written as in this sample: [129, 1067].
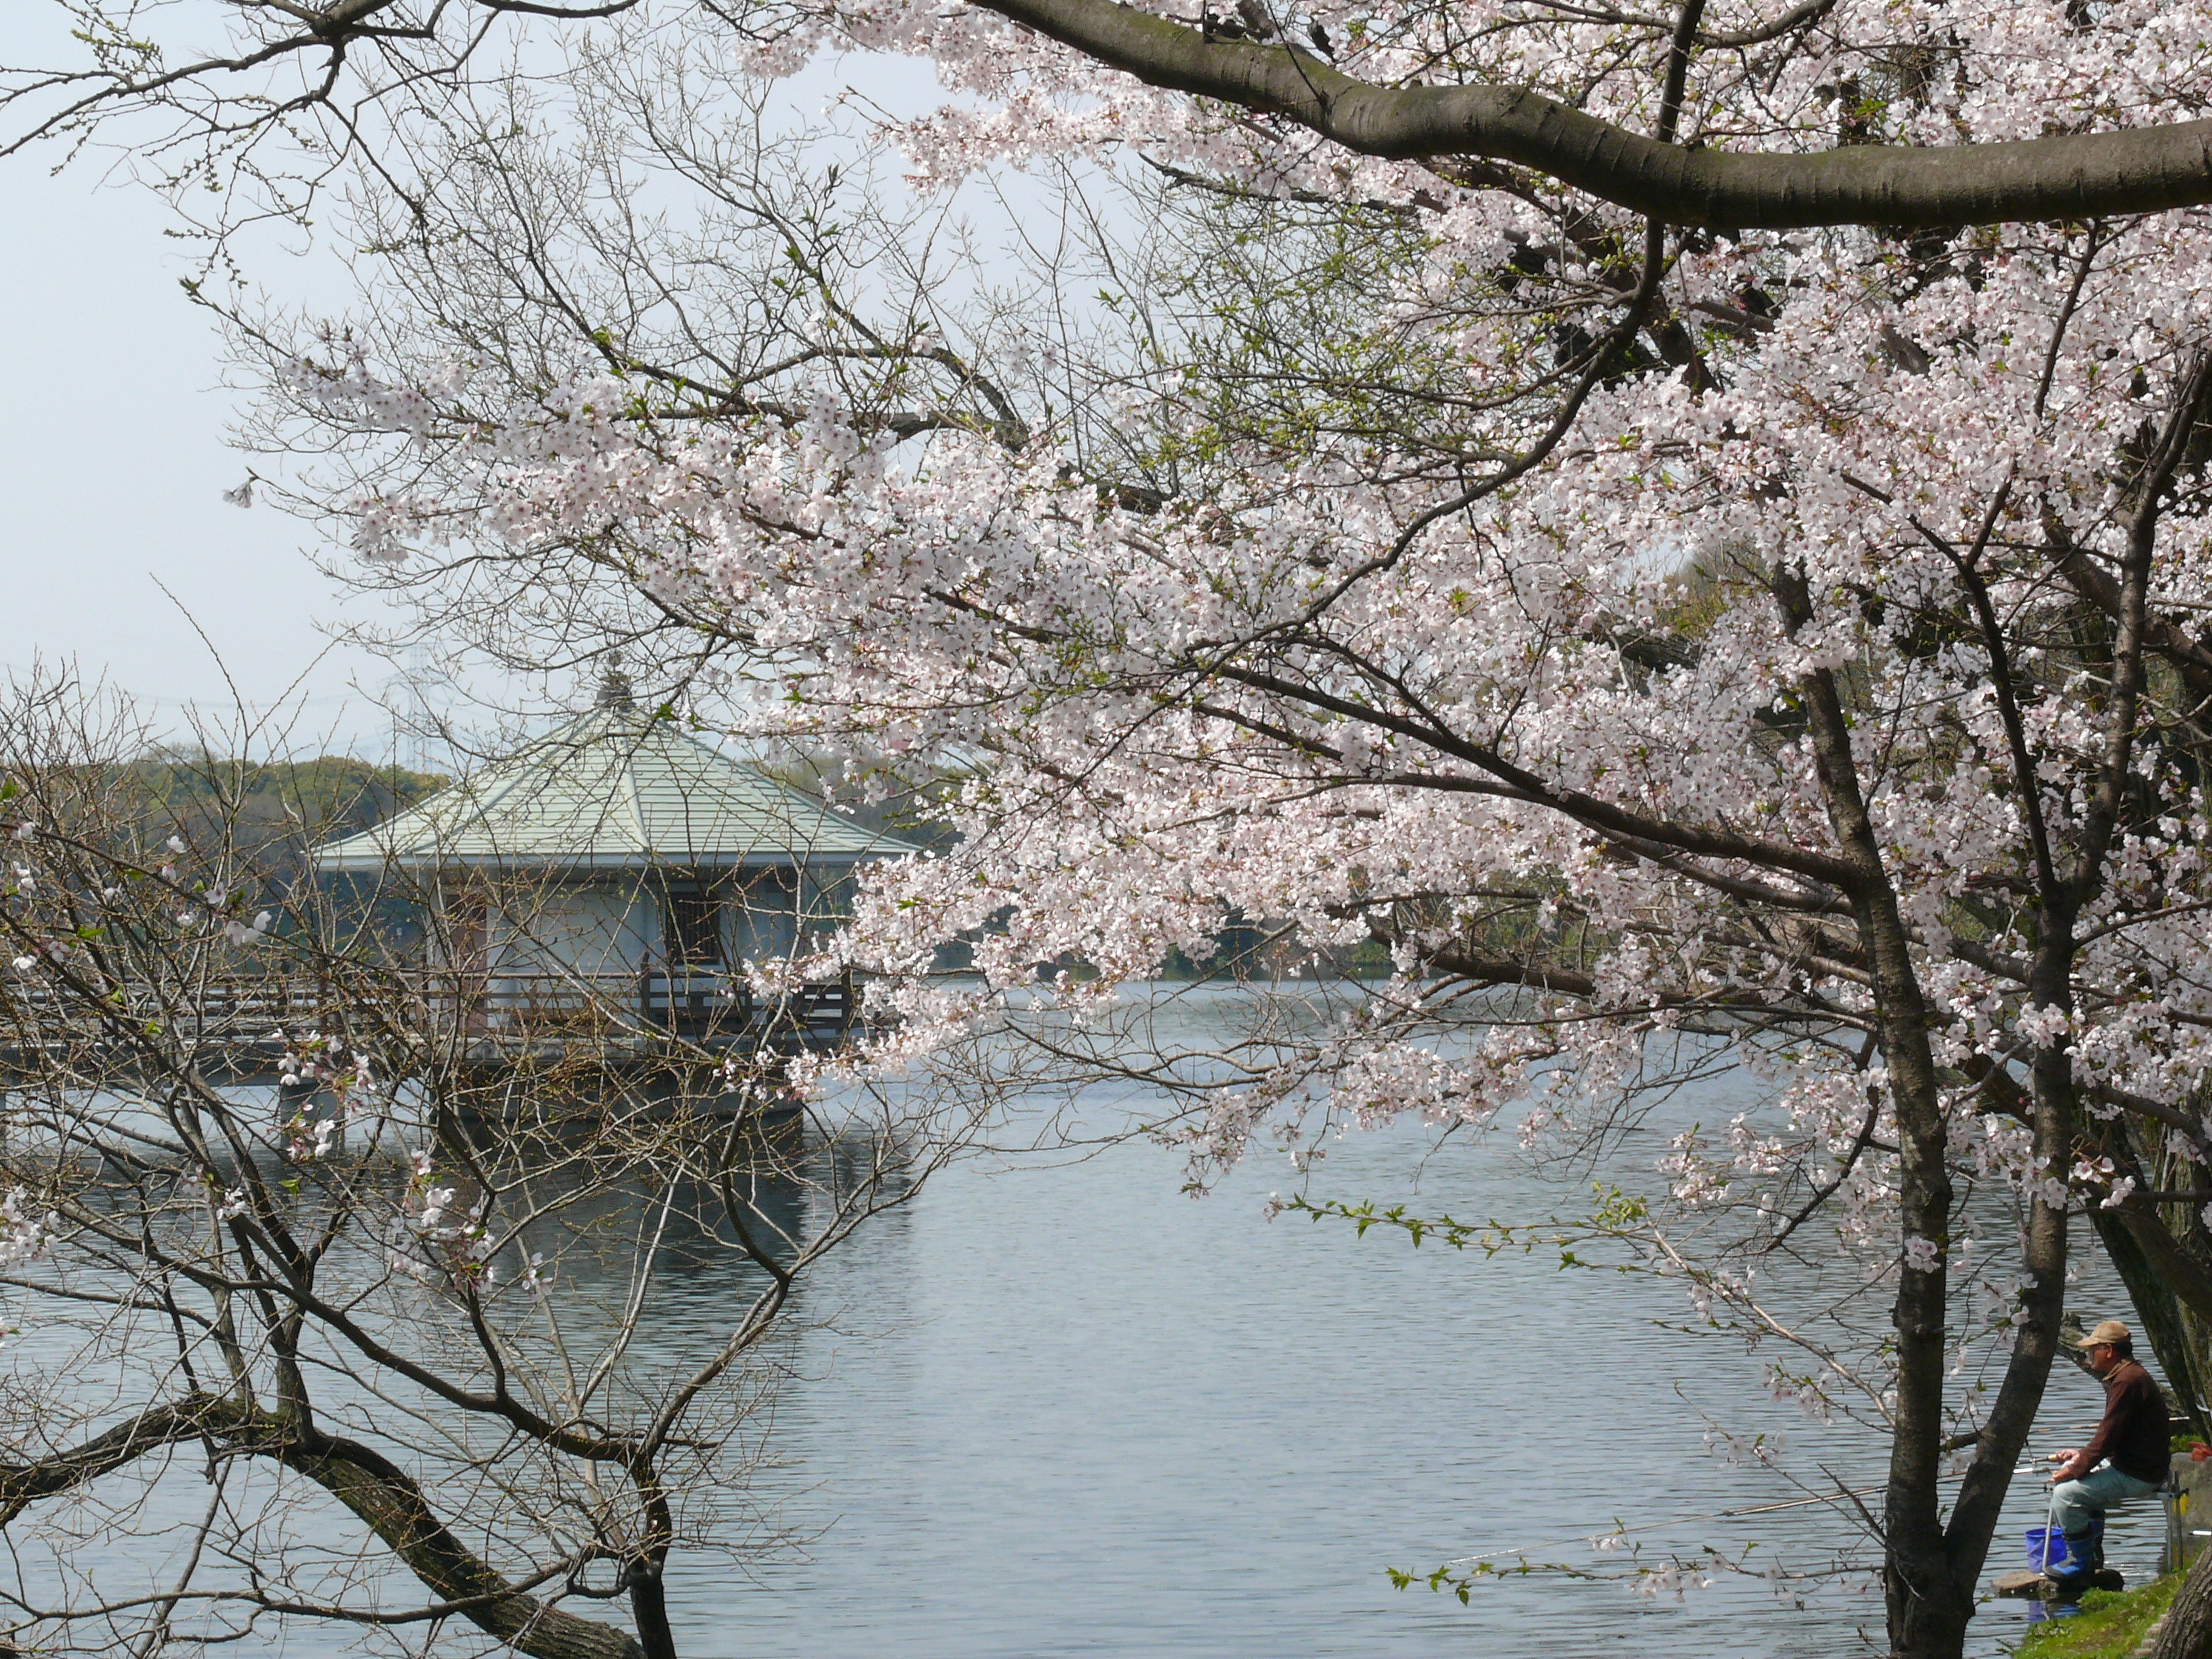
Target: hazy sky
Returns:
[113, 462]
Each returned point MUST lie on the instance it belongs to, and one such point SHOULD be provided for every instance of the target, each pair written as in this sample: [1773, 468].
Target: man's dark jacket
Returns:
[2134, 1434]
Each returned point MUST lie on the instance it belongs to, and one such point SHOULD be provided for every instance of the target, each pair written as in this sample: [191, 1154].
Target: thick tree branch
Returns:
[2072, 177]
[384, 1497]
[191, 1419]
[375, 1489]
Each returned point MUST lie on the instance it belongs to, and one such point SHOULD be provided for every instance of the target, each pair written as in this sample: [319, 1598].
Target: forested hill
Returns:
[271, 811]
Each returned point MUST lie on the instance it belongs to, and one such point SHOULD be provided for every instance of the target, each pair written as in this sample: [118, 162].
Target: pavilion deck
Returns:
[654, 1019]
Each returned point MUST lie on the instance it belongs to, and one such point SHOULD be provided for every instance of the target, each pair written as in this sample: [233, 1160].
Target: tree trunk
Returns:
[383, 1495]
[369, 1484]
[2185, 1632]
[648, 1602]
[2162, 1314]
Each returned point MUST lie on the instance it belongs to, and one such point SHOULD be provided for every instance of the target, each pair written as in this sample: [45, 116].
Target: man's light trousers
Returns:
[2077, 1502]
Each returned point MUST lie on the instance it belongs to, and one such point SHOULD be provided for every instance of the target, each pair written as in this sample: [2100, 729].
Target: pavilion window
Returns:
[695, 930]
[467, 930]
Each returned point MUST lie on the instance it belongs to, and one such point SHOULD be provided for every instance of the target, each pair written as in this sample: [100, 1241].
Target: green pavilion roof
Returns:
[611, 789]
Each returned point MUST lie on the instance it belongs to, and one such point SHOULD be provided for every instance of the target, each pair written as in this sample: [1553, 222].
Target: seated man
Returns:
[2130, 1443]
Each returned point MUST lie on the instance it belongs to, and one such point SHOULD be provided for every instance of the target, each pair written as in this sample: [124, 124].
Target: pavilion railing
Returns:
[689, 1000]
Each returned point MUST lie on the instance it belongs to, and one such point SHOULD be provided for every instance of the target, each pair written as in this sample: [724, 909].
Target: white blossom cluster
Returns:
[23, 1233]
[440, 1238]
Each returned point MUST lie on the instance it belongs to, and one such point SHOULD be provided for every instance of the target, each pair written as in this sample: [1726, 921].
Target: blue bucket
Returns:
[2046, 1550]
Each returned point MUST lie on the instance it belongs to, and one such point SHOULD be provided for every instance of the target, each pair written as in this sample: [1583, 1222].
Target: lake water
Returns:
[1066, 1410]
[1058, 1408]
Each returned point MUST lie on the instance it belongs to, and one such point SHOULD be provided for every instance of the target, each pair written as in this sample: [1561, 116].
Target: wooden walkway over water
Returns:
[654, 1019]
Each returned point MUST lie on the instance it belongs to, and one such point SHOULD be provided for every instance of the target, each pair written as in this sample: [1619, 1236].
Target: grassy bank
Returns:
[2109, 1627]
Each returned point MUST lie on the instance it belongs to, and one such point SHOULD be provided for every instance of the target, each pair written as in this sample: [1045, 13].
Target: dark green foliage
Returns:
[261, 819]
[276, 810]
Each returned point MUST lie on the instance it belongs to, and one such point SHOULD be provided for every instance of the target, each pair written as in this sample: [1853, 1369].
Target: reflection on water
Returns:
[1062, 1409]
[1068, 1410]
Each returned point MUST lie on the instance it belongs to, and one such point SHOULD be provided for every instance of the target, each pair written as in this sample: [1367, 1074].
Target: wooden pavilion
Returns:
[619, 864]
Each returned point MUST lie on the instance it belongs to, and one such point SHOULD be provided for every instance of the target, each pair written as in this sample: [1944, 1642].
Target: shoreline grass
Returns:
[2112, 1624]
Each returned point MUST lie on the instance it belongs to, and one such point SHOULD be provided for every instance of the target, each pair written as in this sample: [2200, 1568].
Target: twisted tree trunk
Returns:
[385, 1497]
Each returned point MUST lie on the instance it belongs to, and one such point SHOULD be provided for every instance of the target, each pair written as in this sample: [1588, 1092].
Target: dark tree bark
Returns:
[383, 1496]
[2160, 1312]
[2185, 1632]
[2084, 177]
[369, 1484]
[1929, 1571]
[24, 1484]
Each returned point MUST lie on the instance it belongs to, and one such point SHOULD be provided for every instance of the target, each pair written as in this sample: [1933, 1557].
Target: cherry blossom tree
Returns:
[1687, 529]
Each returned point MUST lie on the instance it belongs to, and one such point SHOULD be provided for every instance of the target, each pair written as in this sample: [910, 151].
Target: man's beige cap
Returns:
[2107, 1332]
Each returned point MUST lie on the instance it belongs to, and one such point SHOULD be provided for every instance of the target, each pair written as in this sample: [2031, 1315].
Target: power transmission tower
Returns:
[417, 723]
